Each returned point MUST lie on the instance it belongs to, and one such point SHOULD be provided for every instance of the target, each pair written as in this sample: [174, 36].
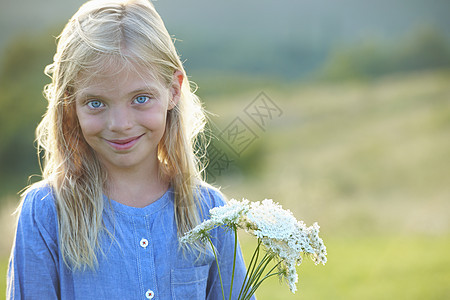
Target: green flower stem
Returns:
[250, 269]
[258, 283]
[256, 274]
[218, 268]
[234, 261]
[269, 274]
[255, 287]
[260, 268]
[259, 271]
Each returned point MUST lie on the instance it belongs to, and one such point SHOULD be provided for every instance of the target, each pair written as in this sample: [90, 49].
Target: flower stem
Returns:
[256, 286]
[258, 282]
[259, 270]
[250, 269]
[218, 268]
[256, 273]
[234, 261]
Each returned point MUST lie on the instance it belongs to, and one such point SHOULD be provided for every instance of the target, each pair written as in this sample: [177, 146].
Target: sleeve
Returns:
[224, 242]
[33, 266]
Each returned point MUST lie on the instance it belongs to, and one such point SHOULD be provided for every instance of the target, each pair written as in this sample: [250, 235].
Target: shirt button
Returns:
[144, 244]
[149, 294]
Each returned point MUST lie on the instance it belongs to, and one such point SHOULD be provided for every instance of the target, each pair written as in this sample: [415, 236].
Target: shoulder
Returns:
[38, 197]
[38, 206]
[210, 196]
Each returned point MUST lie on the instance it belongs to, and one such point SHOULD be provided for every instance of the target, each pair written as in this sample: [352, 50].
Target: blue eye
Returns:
[141, 99]
[95, 104]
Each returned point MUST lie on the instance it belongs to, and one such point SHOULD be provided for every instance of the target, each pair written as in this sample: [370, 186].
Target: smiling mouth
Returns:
[124, 144]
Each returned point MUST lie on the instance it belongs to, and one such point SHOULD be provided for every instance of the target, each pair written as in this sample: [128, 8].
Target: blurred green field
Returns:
[357, 157]
[3, 269]
[416, 267]
[367, 160]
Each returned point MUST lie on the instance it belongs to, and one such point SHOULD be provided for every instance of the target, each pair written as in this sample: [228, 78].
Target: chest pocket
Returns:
[189, 283]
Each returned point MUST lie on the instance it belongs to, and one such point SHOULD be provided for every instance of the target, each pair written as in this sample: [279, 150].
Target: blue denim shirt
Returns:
[143, 262]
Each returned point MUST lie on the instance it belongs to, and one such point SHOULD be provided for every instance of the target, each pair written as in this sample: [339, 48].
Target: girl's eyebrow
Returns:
[146, 89]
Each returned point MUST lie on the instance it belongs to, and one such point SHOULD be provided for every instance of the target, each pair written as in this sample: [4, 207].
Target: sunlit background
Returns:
[346, 111]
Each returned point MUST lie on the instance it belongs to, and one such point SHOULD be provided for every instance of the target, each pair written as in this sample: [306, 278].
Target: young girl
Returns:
[120, 181]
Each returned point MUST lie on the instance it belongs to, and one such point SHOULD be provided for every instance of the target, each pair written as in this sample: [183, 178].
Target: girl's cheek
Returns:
[90, 124]
[152, 120]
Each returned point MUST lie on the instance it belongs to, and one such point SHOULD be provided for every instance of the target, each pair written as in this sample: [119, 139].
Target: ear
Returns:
[175, 89]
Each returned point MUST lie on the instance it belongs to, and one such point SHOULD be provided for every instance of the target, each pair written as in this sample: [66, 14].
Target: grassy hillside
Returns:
[358, 157]
[368, 161]
[372, 268]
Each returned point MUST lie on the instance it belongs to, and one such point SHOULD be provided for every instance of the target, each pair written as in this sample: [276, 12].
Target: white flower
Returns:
[270, 220]
[292, 279]
[320, 251]
[229, 214]
[277, 229]
[200, 232]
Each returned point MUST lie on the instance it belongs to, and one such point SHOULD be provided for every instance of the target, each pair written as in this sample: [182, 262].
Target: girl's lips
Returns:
[124, 144]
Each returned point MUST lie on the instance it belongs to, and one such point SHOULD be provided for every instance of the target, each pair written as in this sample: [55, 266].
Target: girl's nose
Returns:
[120, 119]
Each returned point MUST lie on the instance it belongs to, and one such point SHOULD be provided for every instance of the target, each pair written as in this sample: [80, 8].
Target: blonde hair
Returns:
[102, 33]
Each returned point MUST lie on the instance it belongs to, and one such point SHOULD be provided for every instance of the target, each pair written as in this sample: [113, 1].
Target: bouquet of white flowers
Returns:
[283, 238]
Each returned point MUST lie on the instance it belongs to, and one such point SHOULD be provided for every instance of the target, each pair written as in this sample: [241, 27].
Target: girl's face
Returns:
[122, 115]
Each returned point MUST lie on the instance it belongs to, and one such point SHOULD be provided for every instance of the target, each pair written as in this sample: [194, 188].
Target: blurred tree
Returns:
[426, 48]
[362, 61]
[21, 107]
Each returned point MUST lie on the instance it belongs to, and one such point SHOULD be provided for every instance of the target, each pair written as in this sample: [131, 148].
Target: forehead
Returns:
[113, 74]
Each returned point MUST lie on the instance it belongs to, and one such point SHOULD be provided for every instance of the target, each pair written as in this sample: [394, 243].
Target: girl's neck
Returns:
[138, 187]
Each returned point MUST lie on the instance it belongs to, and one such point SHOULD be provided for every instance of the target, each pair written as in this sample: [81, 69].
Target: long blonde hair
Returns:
[102, 33]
